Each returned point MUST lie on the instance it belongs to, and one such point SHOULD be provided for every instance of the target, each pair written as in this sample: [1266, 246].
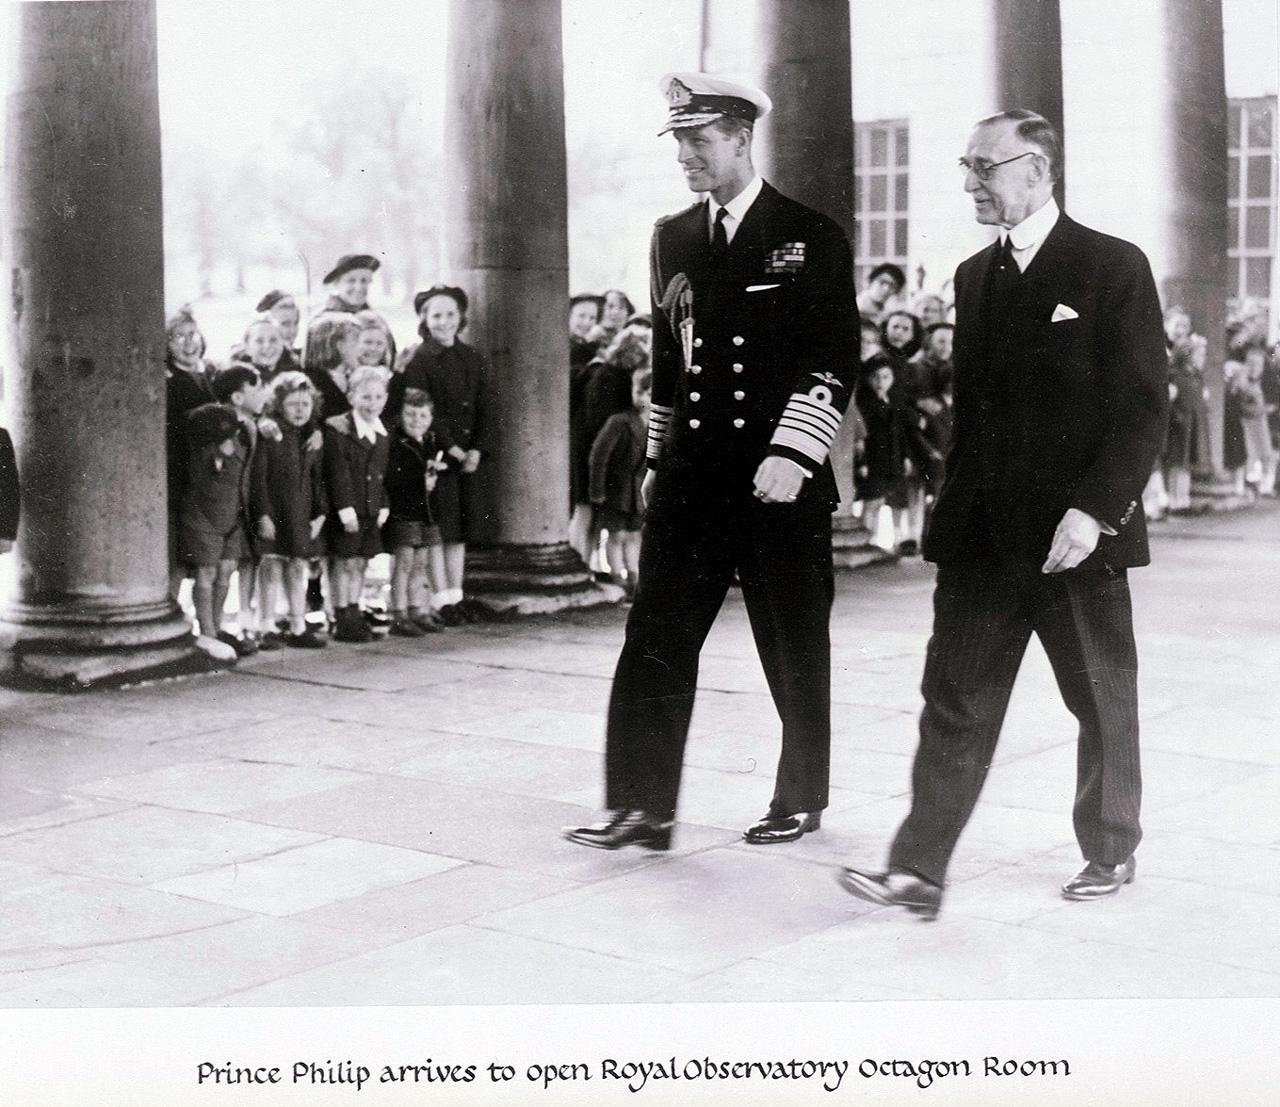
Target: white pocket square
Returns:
[1062, 312]
[761, 287]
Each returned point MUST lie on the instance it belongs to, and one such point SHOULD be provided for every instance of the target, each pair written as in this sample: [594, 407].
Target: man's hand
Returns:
[383, 514]
[266, 529]
[317, 525]
[646, 486]
[1074, 540]
[471, 461]
[350, 520]
[778, 480]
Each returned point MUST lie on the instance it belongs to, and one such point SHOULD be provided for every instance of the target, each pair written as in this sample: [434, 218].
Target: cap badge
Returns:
[678, 93]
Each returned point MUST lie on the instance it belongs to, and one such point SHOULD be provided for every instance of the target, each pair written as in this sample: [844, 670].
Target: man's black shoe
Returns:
[783, 828]
[624, 828]
[895, 888]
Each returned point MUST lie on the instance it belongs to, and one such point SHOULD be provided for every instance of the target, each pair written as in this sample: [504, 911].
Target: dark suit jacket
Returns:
[1050, 416]
[758, 354]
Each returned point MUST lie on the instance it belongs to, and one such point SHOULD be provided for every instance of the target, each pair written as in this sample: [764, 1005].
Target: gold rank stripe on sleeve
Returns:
[808, 425]
[659, 424]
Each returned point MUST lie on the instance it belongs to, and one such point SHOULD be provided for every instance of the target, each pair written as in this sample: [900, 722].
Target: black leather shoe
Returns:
[1095, 881]
[896, 888]
[624, 828]
[782, 828]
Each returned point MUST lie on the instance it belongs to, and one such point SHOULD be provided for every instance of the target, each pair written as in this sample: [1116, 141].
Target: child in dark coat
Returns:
[288, 506]
[240, 385]
[356, 449]
[411, 534]
[617, 470]
[892, 454]
[211, 536]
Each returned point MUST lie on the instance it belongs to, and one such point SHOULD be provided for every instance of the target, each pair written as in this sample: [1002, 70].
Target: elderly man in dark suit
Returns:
[755, 351]
[1060, 406]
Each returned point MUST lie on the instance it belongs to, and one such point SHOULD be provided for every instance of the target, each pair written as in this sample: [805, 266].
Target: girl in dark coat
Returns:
[892, 454]
[606, 393]
[617, 470]
[455, 377]
[287, 500]
[186, 388]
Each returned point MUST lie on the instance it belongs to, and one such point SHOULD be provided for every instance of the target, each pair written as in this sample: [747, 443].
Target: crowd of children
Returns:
[284, 477]
[902, 406]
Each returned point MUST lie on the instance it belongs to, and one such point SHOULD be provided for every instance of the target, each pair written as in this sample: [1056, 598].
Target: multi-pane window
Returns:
[1251, 197]
[880, 193]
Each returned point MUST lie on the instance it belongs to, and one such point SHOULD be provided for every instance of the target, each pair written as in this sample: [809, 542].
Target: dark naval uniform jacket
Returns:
[755, 352]
[755, 355]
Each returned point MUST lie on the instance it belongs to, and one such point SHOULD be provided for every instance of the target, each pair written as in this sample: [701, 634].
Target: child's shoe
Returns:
[244, 647]
[404, 627]
[349, 626]
[309, 639]
[426, 621]
[272, 640]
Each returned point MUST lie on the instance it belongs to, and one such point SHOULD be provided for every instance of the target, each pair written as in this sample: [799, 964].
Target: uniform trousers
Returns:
[984, 615]
[691, 547]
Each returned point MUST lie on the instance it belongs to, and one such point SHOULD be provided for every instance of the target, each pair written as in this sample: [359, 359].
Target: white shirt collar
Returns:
[736, 208]
[1035, 228]
[367, 430]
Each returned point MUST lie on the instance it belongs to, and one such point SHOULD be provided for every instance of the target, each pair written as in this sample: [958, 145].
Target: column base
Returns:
[74, 648]
[1216, 492]
[851, 545]
[533, 580]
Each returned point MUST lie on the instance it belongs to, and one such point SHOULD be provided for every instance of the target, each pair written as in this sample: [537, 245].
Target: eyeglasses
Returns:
[984, 170]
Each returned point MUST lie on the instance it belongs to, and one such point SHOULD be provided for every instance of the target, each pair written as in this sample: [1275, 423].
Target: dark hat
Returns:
[210, 424]
[456, 294]
[348, 262]
[696, 99]
[641, 319]
[274, 297]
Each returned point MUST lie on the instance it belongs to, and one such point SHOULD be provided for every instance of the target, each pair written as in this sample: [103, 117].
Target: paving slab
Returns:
[464, 964]
[143, 845]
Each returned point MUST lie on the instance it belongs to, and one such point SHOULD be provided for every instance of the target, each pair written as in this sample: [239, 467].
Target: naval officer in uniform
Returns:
[755, 353]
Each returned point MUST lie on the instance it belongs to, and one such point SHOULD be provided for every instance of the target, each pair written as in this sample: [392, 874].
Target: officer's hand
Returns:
[778, 480]
[471, 461]
[646, 486]
[1074, 540]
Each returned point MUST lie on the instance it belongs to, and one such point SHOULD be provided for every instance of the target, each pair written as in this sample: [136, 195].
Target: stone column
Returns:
[1193, 203]
[1028, 69]
[506, 243]
[84, 266]
[804, 147]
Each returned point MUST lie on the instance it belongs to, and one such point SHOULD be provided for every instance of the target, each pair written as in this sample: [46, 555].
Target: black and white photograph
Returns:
[583, 550]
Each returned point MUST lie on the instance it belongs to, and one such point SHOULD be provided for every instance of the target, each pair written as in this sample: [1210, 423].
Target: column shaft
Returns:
[86, 391]
[506, 242]
[1193, 206]
[1028, 44]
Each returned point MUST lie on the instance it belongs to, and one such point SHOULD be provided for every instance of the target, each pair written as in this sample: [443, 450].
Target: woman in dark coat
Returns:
[454, 375]
[1186, 447]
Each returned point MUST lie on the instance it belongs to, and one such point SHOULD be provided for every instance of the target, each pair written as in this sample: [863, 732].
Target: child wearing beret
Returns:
[356, 449]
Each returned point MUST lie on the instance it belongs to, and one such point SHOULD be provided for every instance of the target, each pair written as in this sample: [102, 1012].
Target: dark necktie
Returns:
[1004, 275]
[719, 237]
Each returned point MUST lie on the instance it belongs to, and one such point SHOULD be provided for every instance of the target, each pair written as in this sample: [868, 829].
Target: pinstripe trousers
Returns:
[983, 616]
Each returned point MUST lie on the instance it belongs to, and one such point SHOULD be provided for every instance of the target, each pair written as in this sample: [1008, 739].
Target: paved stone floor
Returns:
[380, 825]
